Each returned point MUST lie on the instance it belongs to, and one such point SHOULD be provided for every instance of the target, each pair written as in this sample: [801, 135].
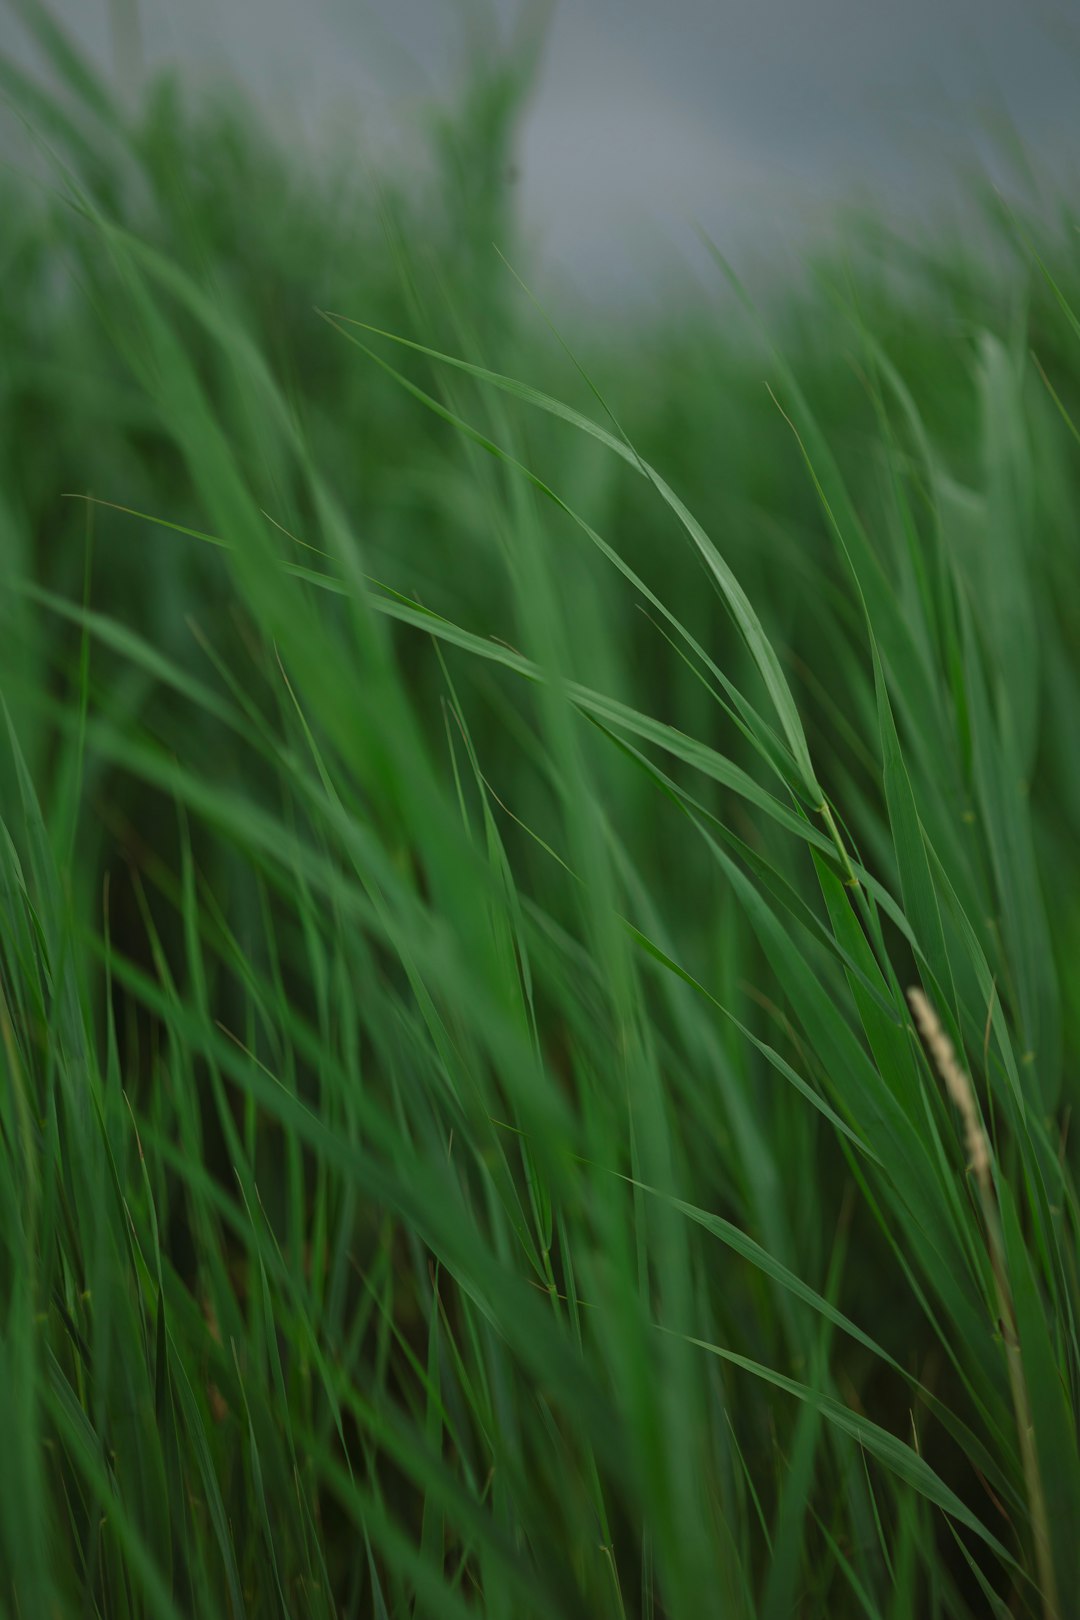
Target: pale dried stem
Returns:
[962, 1096]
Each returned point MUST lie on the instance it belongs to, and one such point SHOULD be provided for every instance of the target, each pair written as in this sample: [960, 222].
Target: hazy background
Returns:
[754, 117]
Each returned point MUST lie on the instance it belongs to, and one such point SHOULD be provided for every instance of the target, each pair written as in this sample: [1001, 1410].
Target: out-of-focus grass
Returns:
[466, 1146]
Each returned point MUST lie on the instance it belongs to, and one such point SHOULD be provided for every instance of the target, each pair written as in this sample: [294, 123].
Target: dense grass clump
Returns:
[540, 921]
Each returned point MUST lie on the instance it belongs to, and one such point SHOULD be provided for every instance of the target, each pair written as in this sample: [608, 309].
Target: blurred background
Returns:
[755, 119]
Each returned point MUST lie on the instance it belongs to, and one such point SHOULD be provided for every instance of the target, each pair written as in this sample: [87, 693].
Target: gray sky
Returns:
[755, 117]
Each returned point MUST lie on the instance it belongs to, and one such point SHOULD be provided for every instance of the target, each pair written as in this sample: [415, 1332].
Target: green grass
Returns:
[467, 844]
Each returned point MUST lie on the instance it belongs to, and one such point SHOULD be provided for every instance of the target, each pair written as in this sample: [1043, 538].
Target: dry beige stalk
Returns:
[962, 1095]
[957, 1084]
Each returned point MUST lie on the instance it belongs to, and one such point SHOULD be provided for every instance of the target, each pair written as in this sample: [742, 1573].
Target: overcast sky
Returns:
[650, 115]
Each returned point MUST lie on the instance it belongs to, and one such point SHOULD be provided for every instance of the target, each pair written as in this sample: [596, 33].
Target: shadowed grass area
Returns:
[474, 809]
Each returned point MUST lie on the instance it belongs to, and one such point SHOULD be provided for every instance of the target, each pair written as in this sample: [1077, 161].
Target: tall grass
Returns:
[468, 845]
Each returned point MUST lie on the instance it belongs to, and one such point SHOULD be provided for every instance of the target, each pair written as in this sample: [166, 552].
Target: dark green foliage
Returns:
[466, 1149]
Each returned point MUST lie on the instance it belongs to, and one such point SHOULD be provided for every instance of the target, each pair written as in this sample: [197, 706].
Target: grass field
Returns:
[541, 918]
